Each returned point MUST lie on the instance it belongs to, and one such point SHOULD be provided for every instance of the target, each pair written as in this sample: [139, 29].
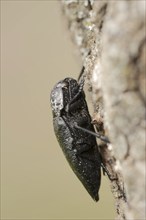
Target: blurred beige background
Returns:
[36, 181]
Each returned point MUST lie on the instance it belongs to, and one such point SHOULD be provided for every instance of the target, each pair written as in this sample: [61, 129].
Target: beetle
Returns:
[70, 114]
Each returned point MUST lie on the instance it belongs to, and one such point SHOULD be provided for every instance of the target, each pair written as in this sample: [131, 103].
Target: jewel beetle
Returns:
[70, 112]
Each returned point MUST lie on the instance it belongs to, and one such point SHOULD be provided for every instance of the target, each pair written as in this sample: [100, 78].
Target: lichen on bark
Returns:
[110, 37]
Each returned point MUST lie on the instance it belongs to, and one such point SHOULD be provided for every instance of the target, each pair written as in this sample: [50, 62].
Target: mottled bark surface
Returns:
[110, 36]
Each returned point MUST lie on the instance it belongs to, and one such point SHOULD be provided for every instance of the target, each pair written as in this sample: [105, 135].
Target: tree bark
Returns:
[110, 36]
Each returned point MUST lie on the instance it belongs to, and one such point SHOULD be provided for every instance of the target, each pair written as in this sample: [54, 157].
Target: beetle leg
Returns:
[82, 147]
[101, 137]
[105, 170]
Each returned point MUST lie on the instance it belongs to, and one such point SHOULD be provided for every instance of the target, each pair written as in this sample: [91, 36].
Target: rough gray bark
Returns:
[114, 34]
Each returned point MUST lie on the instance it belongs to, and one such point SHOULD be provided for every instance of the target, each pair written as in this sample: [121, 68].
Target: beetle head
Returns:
[62, 93]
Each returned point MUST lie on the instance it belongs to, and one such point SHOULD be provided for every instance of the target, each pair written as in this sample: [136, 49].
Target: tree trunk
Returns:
[110, 36]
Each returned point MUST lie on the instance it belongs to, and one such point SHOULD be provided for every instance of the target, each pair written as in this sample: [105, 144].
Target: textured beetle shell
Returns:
[79, 147]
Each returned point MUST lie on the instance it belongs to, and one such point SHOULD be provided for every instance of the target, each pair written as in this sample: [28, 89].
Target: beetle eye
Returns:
[65, 85]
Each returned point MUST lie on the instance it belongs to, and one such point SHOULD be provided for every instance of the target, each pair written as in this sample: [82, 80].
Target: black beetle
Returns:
[70, 112]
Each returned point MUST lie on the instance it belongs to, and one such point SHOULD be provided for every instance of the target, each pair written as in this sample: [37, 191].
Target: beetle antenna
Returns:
[81, 73]
[81, 80]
